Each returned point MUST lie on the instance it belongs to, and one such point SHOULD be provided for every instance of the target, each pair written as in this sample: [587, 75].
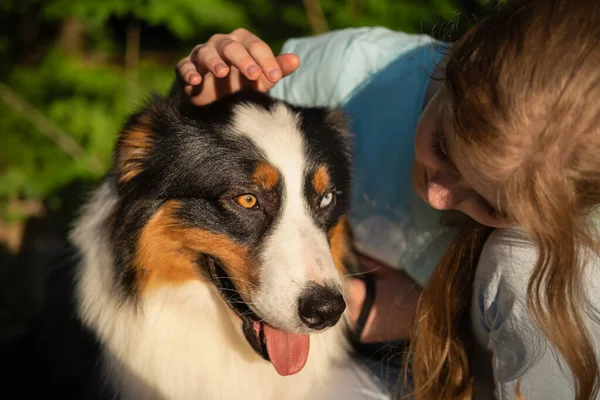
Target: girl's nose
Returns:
[444, 191]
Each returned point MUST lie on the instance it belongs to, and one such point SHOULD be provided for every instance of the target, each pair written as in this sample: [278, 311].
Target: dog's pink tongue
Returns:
[288, 351]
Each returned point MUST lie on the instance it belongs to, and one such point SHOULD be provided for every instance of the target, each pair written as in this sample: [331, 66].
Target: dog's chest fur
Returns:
[181, 342]
[187, 347]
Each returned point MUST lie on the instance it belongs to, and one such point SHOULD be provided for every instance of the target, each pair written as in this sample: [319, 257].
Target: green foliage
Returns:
[407, 15]
[87, 94]
[180, 17]
[87, 102]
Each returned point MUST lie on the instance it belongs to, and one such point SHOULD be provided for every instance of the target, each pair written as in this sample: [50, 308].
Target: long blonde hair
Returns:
[524, 90]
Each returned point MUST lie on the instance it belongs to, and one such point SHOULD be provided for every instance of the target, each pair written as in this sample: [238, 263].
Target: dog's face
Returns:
[247, 194]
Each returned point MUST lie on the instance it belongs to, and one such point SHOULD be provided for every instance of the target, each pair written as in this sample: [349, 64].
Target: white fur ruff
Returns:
[183, 342]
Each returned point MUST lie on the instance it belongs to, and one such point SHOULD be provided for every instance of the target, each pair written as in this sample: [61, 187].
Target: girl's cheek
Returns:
[419, 180]
[423, 152]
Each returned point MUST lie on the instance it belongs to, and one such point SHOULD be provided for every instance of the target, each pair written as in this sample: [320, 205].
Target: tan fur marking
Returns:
[134, 146]
[320, 180]
[266, 176]
[166, 254]
[341, 250]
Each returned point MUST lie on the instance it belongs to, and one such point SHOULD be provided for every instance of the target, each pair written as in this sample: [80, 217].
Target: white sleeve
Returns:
[508, 345]
[334, 64]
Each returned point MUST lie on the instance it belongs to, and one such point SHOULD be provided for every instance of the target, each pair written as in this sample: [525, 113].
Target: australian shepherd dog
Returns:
[208, 264]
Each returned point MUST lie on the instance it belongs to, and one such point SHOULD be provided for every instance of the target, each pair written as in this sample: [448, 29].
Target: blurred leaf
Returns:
[183, 16]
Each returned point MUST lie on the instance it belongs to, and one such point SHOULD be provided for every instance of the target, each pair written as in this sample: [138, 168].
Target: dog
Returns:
[208, 264]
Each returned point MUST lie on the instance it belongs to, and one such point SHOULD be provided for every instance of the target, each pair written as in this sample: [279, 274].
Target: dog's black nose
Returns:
[320, 306]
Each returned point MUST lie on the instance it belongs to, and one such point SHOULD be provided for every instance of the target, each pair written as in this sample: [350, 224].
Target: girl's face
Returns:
[444, 182]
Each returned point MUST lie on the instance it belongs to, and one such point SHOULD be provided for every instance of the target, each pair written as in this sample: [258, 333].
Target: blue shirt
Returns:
[380, 78]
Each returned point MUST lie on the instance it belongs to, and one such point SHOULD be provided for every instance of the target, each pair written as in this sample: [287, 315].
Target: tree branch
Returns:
[65, 142]
[132, 60]
[316, 18]
[355, 8]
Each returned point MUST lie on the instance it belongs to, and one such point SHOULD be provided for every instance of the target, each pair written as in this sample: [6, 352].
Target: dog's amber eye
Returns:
[246, 201]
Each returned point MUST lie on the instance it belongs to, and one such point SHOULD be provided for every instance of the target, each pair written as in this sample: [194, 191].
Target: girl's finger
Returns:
[236, 55]
[263, 55]
[288, 63]
[207, 59]
[188, 72]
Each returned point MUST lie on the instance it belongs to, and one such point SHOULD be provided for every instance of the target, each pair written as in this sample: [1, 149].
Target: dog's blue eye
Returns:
[326, 200]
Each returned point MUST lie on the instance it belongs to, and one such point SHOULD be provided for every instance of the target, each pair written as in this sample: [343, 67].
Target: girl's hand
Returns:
[227, 63]
[393, 312]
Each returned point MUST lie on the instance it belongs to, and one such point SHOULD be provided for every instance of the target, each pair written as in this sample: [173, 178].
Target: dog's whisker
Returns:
[360, 273]
[215, 280]
[235, 291]
[243, 281]
[240, 302]
[232, 290]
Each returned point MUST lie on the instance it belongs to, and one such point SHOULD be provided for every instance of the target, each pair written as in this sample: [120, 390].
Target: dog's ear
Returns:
[340, 122]
[141, 133]
[134, 146]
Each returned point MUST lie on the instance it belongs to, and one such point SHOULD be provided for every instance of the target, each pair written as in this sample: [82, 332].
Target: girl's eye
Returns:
[247, 201]
[326, 200]
[438, 145]
[442, 144]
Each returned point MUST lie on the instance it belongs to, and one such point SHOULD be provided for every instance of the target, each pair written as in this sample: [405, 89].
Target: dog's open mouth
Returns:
[287, 351]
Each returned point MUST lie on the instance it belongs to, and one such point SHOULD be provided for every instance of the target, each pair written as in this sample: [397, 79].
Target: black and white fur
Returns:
[100, 336]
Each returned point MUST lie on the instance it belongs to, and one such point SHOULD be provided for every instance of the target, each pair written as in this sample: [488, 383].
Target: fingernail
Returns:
[252, 69]
[189, 77]
[220, 67]
[274, 74]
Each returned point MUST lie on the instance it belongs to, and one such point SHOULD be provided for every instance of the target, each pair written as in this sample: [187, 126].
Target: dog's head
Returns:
[247, 194]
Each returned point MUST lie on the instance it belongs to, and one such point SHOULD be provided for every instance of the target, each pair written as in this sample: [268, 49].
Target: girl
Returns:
[509, 137]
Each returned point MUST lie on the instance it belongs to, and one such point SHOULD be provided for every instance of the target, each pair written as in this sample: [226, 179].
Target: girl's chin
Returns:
[485, 219]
